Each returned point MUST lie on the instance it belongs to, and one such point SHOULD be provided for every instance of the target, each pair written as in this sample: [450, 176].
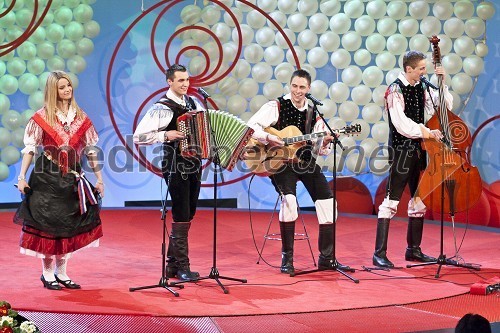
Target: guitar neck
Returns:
[305, 137]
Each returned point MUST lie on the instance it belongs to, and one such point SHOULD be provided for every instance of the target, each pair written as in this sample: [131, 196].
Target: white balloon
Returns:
[348, 111]
[248, 88]
[12, 120]
[272, 89]
[351, 41]
[10, 155]
[352, 76]
[457, 101]
[283, 72]
[319, 89]
[375, 43]
[197, 65]
[287, 6]
[419, 43]
[229, 51]
[262, 72]
[430, 26]
[371, 113]
[482, 50]
[378, 95]
[229, 19]
[35, 101]
[340, 23]
[376, 9]
[319, 23]
[280, 39]
[222, 31]
[329, 108]
[340, 59]
[356, 163]
[265, 36]
[362, 57]
[317, 57]
[336, 123]
[310, 69]
[220, 101]
[380, 131]
[368, 144]
[452, 63]
[237, 104]
[397, 44]
[191, 14]
[301, 55]
[473, 65]
[461, 83]
[253, 53]
[364, 25]
[200, 36]
[274, 55]
[242, 69]
[365, 130]
[246, 31]
[349, 143]
[5, 137]
[373, 76]
[18, 137]
[354, 8]
[454, 27]
[228, 86]
[464, 46]
[210, 15]
[485, 10]
[419, 9]
[385, 61]
[361, 95]
[245, 116]
[397, 9]
[279, 18]
[334, 159]
[392, 75]
[330, 7]
[267, 5]
[329, 41]
[408, 27]
[475, 27]
[308, 7]
[256, 20]
[244, 7]
[297, 22]
[307, 39]
[387, 26]
[339, 92]
[257, 102]
[442, 10]
[464, 9]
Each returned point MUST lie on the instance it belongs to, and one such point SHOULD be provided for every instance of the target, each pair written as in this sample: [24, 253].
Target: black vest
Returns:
[414, 98]
[177, 110]
[289, 115]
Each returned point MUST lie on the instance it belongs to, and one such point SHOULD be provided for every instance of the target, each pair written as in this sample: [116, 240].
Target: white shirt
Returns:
[158, 117]
[396, 105]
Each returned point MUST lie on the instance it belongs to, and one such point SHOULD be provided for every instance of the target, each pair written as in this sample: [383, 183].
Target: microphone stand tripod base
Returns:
[441, 260]
[214, 275]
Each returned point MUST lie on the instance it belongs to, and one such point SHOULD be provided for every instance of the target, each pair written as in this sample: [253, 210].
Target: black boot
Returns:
[179, 240]
[172, 264]
[414, 239]
[287, 230]
[380, 255]
[326, 259]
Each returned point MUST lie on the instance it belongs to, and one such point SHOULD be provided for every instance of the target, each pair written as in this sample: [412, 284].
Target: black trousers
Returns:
[405, 169]
[285, 180]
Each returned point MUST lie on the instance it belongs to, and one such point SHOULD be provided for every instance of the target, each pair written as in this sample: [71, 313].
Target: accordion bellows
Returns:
[213, 131]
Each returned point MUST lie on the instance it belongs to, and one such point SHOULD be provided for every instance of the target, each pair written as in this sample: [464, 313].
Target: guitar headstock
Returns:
[352, 129]
[436, 52]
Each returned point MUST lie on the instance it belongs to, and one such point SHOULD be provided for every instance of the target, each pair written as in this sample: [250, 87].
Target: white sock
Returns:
[48, 269]
[61, 269]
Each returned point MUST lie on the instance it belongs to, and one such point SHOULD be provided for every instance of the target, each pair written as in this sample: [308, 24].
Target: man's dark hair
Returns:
[170, 72]
[412, 58]
[303, 74]
[473, 323]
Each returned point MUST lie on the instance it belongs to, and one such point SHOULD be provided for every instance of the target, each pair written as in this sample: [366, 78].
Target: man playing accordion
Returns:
[182, 174]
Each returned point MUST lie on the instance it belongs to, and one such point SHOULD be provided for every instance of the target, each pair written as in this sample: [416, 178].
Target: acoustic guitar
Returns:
[266, 161]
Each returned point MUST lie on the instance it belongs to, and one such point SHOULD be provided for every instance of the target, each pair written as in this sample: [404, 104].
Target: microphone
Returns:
[203, 93]
[424, 80]
[313, 99]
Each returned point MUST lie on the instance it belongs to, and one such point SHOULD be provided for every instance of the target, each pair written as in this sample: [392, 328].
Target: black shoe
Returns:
[382, 262]
[287, 269]
[185, 274]
[52, 285]
[333, 264]
[171, 271]
[68, 284]
[415, 254]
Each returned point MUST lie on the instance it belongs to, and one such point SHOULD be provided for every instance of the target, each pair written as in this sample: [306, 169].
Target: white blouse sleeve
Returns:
[33, 135]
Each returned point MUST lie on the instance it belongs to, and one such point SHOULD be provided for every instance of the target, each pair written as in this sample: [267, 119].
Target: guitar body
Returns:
[264, 161]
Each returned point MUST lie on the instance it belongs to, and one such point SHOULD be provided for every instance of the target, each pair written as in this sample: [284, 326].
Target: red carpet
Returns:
[130, 256]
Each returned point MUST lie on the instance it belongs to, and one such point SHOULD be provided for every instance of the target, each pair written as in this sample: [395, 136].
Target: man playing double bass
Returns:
[407, 101]
[288, 110]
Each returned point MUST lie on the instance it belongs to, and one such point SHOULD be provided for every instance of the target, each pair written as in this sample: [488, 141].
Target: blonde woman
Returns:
[60, 212]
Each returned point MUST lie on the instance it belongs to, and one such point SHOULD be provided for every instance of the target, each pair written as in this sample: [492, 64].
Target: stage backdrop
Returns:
[242, 53]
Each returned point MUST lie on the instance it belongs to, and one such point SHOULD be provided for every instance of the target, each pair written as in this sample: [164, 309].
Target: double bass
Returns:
[449, 184]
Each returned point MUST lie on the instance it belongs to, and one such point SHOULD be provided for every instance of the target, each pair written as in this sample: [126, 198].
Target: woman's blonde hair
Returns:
[52, 96]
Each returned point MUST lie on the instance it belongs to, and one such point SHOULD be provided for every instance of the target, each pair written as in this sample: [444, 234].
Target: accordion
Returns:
[213, 131]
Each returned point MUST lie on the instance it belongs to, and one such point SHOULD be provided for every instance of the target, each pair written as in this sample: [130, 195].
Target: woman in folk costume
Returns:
[60, 212]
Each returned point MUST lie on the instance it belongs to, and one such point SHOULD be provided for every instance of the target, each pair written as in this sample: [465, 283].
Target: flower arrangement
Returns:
[12, 322]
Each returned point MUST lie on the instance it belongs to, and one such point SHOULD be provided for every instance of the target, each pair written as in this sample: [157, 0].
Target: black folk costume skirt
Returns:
[52, 223]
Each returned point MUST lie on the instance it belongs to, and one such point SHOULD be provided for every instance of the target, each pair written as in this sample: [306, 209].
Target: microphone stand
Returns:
[335, 142]
[214, 272]
[163, 283]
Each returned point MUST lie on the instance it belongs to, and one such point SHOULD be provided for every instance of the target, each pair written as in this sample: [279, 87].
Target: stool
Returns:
[277, 235]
